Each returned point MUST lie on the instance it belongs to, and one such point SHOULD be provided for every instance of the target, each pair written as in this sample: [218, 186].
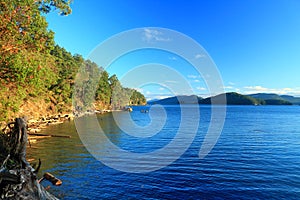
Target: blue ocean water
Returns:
[257, 156]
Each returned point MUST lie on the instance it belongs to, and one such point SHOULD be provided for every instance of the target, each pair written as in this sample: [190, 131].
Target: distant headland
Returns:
[232, 98]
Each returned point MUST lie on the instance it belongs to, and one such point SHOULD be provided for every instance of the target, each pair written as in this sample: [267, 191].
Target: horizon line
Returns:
[164, 96]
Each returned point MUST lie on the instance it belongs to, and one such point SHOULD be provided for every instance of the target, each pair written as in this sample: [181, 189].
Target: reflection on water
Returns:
[54, 150]
[256, 157]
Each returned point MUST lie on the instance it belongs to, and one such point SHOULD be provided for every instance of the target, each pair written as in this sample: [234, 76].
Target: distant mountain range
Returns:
[266, 97]
[182, 99]
[232, 98]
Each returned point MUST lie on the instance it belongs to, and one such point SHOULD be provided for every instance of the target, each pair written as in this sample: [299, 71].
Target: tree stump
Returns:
[18, 179]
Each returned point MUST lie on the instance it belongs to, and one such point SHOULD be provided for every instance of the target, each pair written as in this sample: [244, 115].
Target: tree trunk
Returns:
[18, 179]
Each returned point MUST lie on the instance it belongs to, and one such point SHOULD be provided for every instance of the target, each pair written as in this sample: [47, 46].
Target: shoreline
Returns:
[36, 125]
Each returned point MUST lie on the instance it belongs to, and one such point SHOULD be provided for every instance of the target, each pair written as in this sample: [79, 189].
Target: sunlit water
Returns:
[256, 157]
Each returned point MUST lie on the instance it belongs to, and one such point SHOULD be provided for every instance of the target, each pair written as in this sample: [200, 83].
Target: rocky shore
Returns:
[37, 125]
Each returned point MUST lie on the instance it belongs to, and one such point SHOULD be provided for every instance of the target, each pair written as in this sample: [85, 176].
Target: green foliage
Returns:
[281, 99]
[104, 92]
[136, 97]
[277, 102]
[26, 68]
[232, 98]
[181, 99]
[62, 5]
[119, 96]
[94, 88]
[67, 66]
[33, 68]
[122, 97]
[86, 84]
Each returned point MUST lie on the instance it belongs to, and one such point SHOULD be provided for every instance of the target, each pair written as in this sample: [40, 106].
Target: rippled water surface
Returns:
[257, 156]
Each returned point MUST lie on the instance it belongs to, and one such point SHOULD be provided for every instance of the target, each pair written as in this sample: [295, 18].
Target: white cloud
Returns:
[197, 56]
[170, 81]
[288, 89]
[197, 81]
[228, 87]
[172, 58]
[201, 88]
[256, 88]
[151, 35]
[157, 96]
[281, 91]
[192, 76]
[161, 88]
[231, 83]
[162, 96]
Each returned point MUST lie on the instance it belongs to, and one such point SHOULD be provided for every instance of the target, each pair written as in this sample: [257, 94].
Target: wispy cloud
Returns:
[197, 56]
[158, 96]
[228, 87]
[152, 35]
[201, 88]
[162, 96]
[256, 88]
[192, 76]
[195, 78]
[170, 81]
[172, 58]
[261, 89]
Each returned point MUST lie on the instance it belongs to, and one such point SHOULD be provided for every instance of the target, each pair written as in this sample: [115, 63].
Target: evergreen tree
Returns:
[33, 68]
[104, 90]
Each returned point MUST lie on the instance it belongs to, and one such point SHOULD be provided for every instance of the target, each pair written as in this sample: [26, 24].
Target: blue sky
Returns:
[255, 44]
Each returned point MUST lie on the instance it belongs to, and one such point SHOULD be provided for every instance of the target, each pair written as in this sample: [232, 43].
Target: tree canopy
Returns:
[34, 69]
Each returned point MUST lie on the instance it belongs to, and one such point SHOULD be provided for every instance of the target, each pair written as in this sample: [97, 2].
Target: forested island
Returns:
[232, 98]
[37, 76]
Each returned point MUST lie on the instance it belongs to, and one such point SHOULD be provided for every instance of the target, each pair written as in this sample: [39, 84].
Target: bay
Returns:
[256, 156]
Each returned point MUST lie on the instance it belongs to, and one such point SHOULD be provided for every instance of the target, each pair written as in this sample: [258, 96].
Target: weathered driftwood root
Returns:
[52, 179]
[18, 179]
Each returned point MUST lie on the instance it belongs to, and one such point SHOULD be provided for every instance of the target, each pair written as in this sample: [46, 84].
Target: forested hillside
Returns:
[275, 98]
[37, 76]
[232, 98]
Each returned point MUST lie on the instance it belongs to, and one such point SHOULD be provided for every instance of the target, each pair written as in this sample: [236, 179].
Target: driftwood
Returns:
[18, 179]
[55, 181]
[47, 135]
